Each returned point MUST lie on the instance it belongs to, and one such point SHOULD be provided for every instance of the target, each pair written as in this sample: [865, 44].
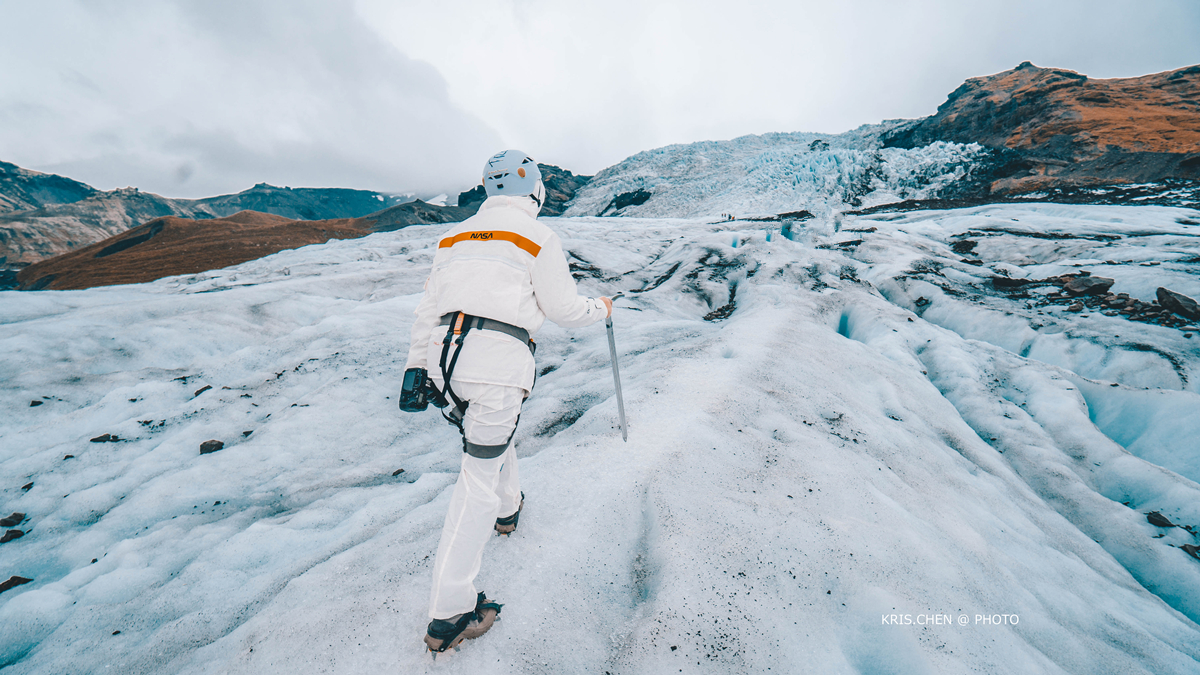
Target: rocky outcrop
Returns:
[1082, 291]
[416, 213]
[473, 197]
[626, 199]
[561, 186]
[24, 190]
[1053, 128]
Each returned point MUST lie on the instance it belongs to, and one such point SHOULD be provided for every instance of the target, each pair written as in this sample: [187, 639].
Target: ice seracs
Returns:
[773, 173]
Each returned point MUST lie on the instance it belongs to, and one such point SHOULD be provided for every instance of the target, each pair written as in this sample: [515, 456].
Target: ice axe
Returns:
[612, 351]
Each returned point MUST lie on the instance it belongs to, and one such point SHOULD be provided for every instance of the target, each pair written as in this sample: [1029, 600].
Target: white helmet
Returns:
[514, 173]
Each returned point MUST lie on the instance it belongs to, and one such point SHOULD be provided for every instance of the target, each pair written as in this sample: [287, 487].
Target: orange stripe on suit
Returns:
[493, 235]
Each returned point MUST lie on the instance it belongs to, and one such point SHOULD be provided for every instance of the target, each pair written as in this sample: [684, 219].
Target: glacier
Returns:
[848, 453]
[777, 173]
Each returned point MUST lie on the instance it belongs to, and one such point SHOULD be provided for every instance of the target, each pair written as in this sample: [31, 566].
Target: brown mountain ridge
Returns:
[171, 245]
[1056, 128]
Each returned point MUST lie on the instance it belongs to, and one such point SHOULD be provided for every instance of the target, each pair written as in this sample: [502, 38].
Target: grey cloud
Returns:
[192, 99]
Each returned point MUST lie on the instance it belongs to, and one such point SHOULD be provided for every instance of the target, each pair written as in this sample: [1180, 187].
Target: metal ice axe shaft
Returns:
[612, 351]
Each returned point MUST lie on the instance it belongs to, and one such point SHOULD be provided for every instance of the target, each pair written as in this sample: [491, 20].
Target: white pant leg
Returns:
[476, 502]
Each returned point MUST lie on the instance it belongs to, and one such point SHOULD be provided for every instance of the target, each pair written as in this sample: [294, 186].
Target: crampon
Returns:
[508, 524]
[449, 634]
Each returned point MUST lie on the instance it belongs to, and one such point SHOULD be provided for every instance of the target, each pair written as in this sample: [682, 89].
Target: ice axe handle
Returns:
[612, 352]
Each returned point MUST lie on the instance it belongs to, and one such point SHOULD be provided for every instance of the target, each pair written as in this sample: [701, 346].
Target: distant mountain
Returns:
[29, 236]
[300, 203]
[170, 245]
[1055, 128]
[61, 215]
[55, 228]
[22, 189]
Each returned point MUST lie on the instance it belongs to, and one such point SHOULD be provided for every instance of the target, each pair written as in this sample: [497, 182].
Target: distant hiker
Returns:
[496, 278]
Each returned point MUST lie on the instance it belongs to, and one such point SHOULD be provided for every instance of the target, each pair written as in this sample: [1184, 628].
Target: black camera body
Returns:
[419, 391]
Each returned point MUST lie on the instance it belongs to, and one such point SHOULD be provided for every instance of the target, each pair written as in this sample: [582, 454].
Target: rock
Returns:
[1089, 285]
[13, 520]
[34, 404]
[1193, 551]
[1008, 282]
[211, 446]
[66, 457]
[201, 390]
[246, 434]
[561, 187]
[26, 487]
[1076, 307]
[626, 199]
[105, 438]
[921, 301]
[1178, 303]
[397, 472]
[472, 198]
[1158, 520]
[13, 582]
[10, 535]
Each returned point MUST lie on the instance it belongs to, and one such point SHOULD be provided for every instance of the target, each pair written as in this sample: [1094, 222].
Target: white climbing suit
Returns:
[501, 264]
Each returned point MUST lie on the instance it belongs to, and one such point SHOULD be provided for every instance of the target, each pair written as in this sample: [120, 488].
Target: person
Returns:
[496, 277]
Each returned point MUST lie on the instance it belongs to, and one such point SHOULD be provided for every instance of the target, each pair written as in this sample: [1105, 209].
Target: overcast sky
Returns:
[190, 98]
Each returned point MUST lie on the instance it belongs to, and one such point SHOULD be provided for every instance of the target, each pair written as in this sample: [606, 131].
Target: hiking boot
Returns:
[508, 524]
[449, 633]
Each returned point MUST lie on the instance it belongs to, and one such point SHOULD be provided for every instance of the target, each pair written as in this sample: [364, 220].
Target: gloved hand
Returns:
[414, 394]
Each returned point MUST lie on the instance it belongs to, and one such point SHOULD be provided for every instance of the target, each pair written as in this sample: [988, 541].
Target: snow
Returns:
[777, 173]
[439, 200]
[827, 455]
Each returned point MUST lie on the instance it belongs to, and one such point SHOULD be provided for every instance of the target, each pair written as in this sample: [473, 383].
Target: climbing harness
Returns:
[459, 325]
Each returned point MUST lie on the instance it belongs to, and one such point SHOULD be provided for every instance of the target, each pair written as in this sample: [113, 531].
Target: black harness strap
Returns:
[460, 324]
[456, 333]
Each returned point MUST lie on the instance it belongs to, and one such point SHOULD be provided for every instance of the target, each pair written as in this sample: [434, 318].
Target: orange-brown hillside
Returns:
[168, 246]
[1072, 129]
